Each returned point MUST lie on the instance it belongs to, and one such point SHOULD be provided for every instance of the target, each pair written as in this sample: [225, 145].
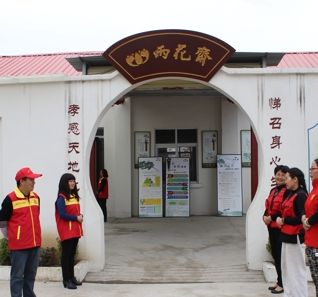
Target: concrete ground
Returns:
[196, 256]
[175, 250]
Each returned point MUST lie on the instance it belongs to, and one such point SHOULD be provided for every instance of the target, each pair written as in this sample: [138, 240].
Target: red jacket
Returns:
[288, 211]
[102, 188]
[311, 208]
[24, 229]
[69, 229]
[273, 204]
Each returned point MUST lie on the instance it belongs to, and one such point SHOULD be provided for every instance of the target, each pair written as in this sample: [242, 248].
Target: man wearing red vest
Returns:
[20, 223]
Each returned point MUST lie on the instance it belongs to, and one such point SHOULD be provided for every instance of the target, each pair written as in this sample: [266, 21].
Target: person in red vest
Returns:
[273, 205]
[69, 226]
[102, 192]
[20, 223]
[310, 224]
[292, 233]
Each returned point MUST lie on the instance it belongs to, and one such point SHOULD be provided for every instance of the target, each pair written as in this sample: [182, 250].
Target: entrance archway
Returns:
[132, 94]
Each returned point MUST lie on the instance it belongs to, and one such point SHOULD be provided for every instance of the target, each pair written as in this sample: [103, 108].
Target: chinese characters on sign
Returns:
[179, 53]
[73, 144]
[165, 53]
[276, 123]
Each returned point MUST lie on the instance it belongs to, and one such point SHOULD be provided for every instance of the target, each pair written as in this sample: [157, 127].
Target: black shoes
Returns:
[75, 281]
[277, 291]
[272, 288]
[69, 285]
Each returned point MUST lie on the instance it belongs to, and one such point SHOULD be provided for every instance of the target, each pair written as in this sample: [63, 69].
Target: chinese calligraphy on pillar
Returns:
[275, 122]
[73, 149]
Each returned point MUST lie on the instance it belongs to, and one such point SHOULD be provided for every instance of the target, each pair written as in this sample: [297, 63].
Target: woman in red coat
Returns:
[292, 234]
[69, 226]
[310, 224]
[102, 192]
[273, 205]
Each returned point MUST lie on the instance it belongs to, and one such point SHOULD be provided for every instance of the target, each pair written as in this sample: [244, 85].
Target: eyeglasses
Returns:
[311, 169]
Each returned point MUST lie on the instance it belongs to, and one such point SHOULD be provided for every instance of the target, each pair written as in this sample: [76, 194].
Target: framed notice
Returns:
[150, 187]
[312, 147]
[229, 185]
[209, 148]
[246, 148]
[142, 145]
[177, 187]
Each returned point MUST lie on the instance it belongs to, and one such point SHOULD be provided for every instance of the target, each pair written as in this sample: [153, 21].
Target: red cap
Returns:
[26, 172]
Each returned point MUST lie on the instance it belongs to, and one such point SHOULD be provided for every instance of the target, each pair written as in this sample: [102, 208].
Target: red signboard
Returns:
[165, 53]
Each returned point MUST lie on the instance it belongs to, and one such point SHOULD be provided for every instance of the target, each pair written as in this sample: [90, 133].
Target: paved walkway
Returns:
[175, 250]
[182, 257]
[52, 289]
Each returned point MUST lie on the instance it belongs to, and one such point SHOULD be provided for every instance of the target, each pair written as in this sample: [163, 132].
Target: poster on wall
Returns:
[312, 148]
[142, 145]
[209, 148]
[150, 187]
[246, 148]
[177, 187]
[229, 185]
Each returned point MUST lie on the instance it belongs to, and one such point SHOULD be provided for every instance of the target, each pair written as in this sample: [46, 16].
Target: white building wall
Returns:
[34, 132]
[34, 119]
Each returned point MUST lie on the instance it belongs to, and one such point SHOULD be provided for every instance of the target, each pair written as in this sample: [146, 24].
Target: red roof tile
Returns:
[42, 64]
[49, 64]
[299, 60]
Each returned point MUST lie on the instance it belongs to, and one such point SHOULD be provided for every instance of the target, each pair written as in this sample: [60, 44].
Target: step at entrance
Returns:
[118, 274]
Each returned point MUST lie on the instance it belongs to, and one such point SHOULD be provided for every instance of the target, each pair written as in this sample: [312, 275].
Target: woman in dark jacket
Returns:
[69, 225]
[273, 205]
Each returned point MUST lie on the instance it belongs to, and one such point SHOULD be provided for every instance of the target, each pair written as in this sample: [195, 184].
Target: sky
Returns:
[41, 26]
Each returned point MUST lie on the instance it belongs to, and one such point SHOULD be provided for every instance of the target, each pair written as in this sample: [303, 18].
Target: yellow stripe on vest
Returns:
[18, 232]
[34, 201]
[20, 204]
[25, 203]
[71, 201]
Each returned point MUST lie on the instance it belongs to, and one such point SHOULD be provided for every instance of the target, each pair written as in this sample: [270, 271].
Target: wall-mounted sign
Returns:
[177, 187]
[246, 148]
[209, 148]
[312, 147]
[164, 53]
[229, 185]
[142, 145]
[150, 187]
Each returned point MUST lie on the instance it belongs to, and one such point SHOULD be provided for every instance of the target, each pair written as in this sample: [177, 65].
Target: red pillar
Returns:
[254, 164]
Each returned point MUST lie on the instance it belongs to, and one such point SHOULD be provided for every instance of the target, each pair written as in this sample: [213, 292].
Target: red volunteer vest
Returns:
[102, 192]
[288, 211]
[273, 204]
[24, 229]
[311, 207]
[69, 229]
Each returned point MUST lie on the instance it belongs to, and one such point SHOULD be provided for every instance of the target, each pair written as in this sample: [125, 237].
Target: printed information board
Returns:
[150, 187]
[177, 187]
[229, 185]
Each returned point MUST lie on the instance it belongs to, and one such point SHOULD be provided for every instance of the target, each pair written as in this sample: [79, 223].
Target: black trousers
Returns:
[68, 257]
[276, 246]
[102, 204]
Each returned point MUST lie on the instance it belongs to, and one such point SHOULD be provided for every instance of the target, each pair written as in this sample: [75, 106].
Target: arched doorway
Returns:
[243, 88]
[136, 103]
